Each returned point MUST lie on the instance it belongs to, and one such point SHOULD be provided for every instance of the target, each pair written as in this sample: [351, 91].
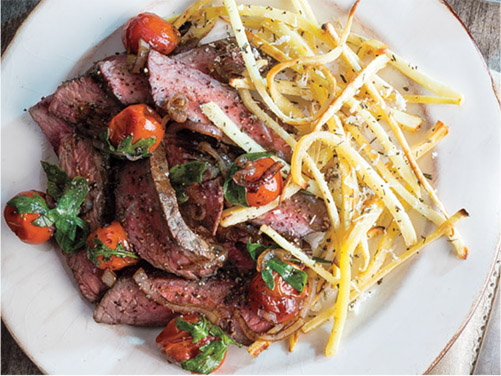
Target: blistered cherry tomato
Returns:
[138, 120]
[267, 192]
[154, 30]
[278, 305]
[22, 224]
[111, 236]
[178, 344]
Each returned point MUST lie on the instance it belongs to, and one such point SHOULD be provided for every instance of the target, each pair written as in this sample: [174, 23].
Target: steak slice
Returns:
[82, 101]
[205, 203]
[126, 304]
[147, 207]
[296, 217]
[216, 298]
[52, 127]
[87, 275]
[78, 157]
[220, 59]
[129, 88]
[169, 76]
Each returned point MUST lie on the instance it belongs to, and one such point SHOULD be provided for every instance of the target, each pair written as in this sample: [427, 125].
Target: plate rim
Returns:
[496, 254]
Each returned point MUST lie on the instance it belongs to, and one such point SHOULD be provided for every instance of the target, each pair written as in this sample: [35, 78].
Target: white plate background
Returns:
[413, 314]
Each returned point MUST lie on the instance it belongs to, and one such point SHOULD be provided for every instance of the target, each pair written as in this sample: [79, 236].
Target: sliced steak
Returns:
[220, 59]
[128, 88]
[216, 298]
[148, 209]
[82, 101]
[87, 275]
[78, 157]
[126, 304]
[297, 217]
[168, 77]
[52, 127]
[205, 203]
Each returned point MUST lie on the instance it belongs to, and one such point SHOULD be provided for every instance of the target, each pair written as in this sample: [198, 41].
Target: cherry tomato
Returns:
[178, 344]
[278, 305]
[154, 30]
[138, 120]
[267, 192]
[22, 226]
[111, 236]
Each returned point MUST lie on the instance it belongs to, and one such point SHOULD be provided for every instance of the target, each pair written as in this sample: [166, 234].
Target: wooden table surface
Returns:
[481, 17]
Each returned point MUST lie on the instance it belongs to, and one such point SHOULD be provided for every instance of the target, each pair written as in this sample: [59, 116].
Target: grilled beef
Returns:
[81, 101]
[296, 217]
[220, 59]
[148, 209]
[216, 298]
[126, 304]
[52, 127]
[205, 203]
[78, 157]
[129, 88]
[168, 77]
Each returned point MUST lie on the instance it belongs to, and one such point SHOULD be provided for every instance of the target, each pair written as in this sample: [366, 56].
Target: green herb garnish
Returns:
[212, 354]
[293, 276]
[234, 193]
[127, 149]
[101, 249]
[185, 174]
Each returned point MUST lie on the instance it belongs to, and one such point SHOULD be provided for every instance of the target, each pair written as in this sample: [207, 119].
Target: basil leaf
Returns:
[216, 331]
[198, 330]
[129, 150]
[25, 204]
[98, 248]
[73, 197]
[187, 173]
[57, 179]
[293, 276]
[67, 228]
[255, 249]
[234, 193]
[37, 204]
[208, 359]
[181, 195]
[66, 213]
[267, 276]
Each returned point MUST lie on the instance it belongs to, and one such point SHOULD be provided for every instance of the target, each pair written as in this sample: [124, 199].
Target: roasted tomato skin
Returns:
[22, 226]
[278, 305]
[138, 120]
[178, 344]
[154, 30]
[111, 236]
[267, 192]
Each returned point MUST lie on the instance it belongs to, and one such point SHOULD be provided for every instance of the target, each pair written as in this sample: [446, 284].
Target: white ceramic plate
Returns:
[413, 314]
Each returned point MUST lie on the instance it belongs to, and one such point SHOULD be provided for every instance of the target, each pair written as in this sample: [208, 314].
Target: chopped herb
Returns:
[184, 175]
[212, 354]
[101, 249]
[234, 193]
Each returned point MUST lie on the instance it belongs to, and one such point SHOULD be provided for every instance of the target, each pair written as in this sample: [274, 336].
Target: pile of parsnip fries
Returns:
[347, 127]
